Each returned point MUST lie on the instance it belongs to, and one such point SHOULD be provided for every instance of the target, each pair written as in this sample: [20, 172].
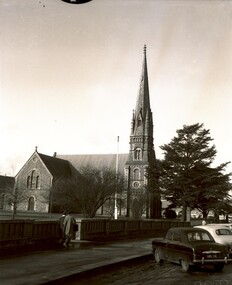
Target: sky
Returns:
[69, 74]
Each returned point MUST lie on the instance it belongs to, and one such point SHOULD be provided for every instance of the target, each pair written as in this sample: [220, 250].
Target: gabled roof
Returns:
[97, 160]
[6, 183]
[57, 167]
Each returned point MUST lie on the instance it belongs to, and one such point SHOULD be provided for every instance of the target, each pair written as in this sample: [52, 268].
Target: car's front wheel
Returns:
[157, 257]
[218, 266]
[185, 265]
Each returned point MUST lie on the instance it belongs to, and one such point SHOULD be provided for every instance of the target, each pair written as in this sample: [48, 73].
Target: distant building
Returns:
[36, 179]
[40, 172]
[6, 187]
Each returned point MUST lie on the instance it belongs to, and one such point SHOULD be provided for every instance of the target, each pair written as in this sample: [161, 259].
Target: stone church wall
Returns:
[34, 182]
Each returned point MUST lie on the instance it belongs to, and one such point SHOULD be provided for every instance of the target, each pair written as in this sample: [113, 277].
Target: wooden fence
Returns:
[25, 232]
[33, 232]
[123, 229]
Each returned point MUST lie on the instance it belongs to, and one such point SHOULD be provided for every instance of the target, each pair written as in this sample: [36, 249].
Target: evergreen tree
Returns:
[210, 188]
[186, 176]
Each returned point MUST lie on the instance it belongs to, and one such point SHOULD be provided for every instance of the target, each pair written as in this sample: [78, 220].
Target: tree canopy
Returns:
[89, 191]
[186, 175]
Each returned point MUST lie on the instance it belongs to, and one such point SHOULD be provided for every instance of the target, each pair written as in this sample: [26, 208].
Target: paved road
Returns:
[123, 262]
[146, 271]
[53, 265]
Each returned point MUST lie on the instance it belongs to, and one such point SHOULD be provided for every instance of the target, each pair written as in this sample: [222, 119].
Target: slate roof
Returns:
[6, 182]
[57, 167]
[96, 160]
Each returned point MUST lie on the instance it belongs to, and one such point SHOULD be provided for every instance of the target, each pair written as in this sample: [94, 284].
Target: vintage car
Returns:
[189, 246]
[220, 233]
[228, 225]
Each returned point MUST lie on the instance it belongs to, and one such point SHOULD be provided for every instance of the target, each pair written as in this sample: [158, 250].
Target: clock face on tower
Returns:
[136, 184]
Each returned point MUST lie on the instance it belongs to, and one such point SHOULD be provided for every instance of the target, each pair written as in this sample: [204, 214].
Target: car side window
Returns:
[193, 236]
[205, 236]
[198, 236]
[168, 235]
[223, 232]
[176, 237]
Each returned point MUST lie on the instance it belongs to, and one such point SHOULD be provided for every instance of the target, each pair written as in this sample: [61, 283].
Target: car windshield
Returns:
[223, 232]
[196, 236]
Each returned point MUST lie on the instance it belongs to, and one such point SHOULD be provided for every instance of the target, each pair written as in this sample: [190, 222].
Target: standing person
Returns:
[69, 223]
[61, 227]
[203, 222]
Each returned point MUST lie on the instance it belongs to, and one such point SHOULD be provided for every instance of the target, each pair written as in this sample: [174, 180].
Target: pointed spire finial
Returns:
[36, 148]
[145, 49]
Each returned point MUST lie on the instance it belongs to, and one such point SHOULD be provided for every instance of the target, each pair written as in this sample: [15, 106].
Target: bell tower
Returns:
[141, 153]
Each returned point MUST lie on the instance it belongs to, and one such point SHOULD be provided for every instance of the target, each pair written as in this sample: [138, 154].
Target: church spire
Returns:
[141, 137]
[142, 153]
[143, 98]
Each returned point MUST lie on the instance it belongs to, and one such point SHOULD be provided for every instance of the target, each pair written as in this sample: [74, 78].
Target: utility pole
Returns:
[116, 190]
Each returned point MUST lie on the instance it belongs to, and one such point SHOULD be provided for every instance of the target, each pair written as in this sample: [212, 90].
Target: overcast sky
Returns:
[69, 74]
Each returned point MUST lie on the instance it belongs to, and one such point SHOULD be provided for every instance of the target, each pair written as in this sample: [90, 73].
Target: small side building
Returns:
[35, 180]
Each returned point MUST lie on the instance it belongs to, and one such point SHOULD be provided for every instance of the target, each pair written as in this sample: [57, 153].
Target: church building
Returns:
[39, 173]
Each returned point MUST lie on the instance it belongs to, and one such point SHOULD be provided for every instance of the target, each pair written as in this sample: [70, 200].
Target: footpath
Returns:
[53, 265]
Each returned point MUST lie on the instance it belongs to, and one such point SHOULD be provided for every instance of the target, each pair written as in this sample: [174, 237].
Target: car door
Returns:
[174, 247]
[167, 245]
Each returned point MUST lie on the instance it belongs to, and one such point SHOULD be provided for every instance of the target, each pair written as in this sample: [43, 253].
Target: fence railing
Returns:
[110, 229]
[30, 232]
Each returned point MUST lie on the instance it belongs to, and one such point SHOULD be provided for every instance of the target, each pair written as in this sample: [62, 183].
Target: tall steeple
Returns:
[142, 122]
[142, 153]
[143, 99]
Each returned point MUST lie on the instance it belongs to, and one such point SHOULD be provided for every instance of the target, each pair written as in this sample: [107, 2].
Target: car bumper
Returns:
[207, 261]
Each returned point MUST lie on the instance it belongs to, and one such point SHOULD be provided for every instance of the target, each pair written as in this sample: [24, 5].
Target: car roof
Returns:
[224, 225]
[212, 227]
[186, 229]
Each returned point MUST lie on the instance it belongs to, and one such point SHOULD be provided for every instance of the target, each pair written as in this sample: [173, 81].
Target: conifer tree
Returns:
[187, 178]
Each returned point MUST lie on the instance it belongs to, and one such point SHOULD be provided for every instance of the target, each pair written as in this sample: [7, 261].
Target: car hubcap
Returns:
[157, 256]
[185, 265]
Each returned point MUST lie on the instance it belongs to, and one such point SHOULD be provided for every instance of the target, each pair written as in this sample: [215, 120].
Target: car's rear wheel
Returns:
[219, 266]
[185, 265]
[158, 259]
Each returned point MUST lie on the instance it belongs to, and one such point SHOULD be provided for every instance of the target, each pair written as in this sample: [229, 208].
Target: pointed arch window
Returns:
[138, 154]
[137, 174]
[31, 204]
[33, 180]
[139, 119]
[28, 181]
[37, 186]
